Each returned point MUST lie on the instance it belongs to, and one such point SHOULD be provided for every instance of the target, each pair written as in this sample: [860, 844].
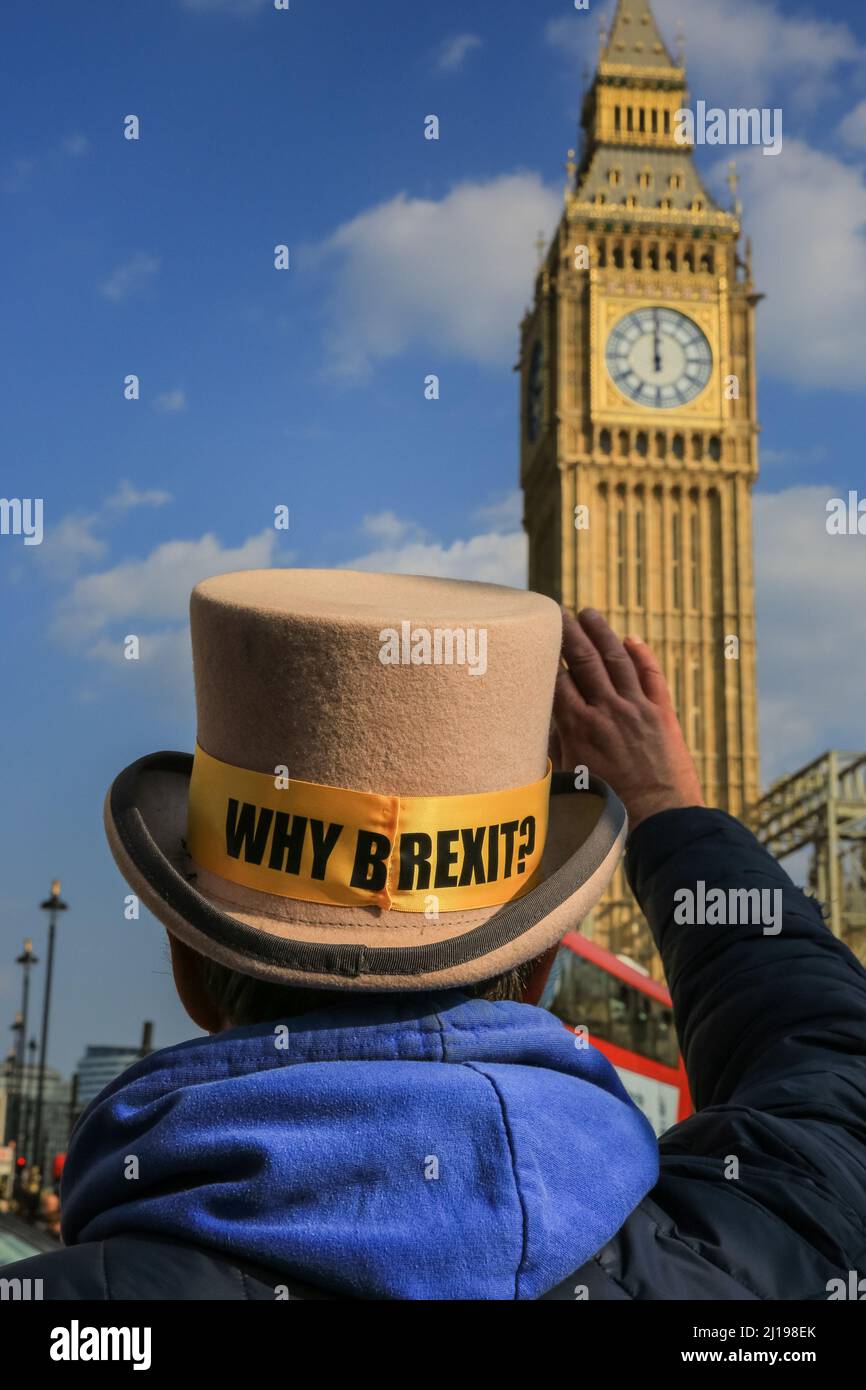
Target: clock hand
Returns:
[657, 341]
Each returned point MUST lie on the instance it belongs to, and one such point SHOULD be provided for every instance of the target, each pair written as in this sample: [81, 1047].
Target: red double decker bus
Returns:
[630, 1019]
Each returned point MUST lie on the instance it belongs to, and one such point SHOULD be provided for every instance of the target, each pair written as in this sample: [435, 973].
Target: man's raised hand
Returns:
[613, 714]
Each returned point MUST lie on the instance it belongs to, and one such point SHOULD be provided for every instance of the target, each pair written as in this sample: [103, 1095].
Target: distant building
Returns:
[18, 1108]
[98, 1066]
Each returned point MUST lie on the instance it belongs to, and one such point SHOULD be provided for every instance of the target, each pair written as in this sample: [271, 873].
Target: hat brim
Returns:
[290, 942]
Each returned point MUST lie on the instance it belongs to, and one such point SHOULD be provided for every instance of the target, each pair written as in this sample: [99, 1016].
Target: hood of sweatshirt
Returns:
[436, 1147]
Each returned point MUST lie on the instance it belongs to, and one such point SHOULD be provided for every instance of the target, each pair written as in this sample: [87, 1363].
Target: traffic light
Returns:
[21, 1161]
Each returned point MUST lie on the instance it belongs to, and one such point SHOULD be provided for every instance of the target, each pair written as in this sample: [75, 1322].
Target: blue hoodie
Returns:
[414, 1148]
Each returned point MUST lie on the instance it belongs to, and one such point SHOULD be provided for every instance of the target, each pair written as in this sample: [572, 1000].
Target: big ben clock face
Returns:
[659, 358]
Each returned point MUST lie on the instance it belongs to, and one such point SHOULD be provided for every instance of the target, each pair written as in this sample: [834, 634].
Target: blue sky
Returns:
[305, 388]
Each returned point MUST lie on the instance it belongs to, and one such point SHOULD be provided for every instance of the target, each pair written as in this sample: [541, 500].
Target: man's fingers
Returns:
[614, 657]
[585, 666]
[568, 703]
[648, 671]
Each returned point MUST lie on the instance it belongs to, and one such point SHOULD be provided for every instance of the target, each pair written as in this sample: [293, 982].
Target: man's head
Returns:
[217, 998]
[356, 818]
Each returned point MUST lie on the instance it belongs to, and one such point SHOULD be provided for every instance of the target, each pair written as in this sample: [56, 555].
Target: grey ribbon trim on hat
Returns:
[349, 962]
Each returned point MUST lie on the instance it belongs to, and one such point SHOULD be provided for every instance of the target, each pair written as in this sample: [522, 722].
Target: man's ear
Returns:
[186, 968]
[538, 979]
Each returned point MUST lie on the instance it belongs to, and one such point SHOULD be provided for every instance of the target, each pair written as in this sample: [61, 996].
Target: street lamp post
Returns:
[10, 1119]
[52, 906]
[25, 960]
[30, 1082]
[9, 1080]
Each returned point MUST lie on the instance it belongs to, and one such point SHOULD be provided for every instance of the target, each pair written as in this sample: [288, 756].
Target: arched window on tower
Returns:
[678, 688]
[653, 257]
[677, 560]
[639, 555]
[695, 549]
[617, 119]
[697, 730]
[621, 553]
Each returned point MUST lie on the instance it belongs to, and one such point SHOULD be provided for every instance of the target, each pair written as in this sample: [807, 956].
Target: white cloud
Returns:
[853, 128]
[745, 52]
[806, 212]
[492, 557]
[163, 670]
[451, 276]
[757, 51]
[505, 514]
[388, 528]
[170, 402]
[133, 275]
[74, 541]
[811, 629]
[75, 145]
[71, 544]
[126, 497]
[156, 589]
[452, 54]
[809, 454]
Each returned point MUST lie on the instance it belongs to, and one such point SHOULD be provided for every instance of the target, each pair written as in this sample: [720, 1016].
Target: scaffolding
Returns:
[821, 810]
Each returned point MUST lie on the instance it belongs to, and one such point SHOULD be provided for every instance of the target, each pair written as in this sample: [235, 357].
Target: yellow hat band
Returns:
[329, 845]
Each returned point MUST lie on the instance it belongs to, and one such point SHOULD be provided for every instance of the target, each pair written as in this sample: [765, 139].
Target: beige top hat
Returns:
[370, 804]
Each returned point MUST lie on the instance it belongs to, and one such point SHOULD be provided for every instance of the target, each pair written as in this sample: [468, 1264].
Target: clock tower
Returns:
[639, 419]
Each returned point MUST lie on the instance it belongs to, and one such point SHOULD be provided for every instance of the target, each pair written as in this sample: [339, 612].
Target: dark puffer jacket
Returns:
[773, 1032]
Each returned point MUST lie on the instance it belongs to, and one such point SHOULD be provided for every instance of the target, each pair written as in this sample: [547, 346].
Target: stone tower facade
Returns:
[639, 425]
